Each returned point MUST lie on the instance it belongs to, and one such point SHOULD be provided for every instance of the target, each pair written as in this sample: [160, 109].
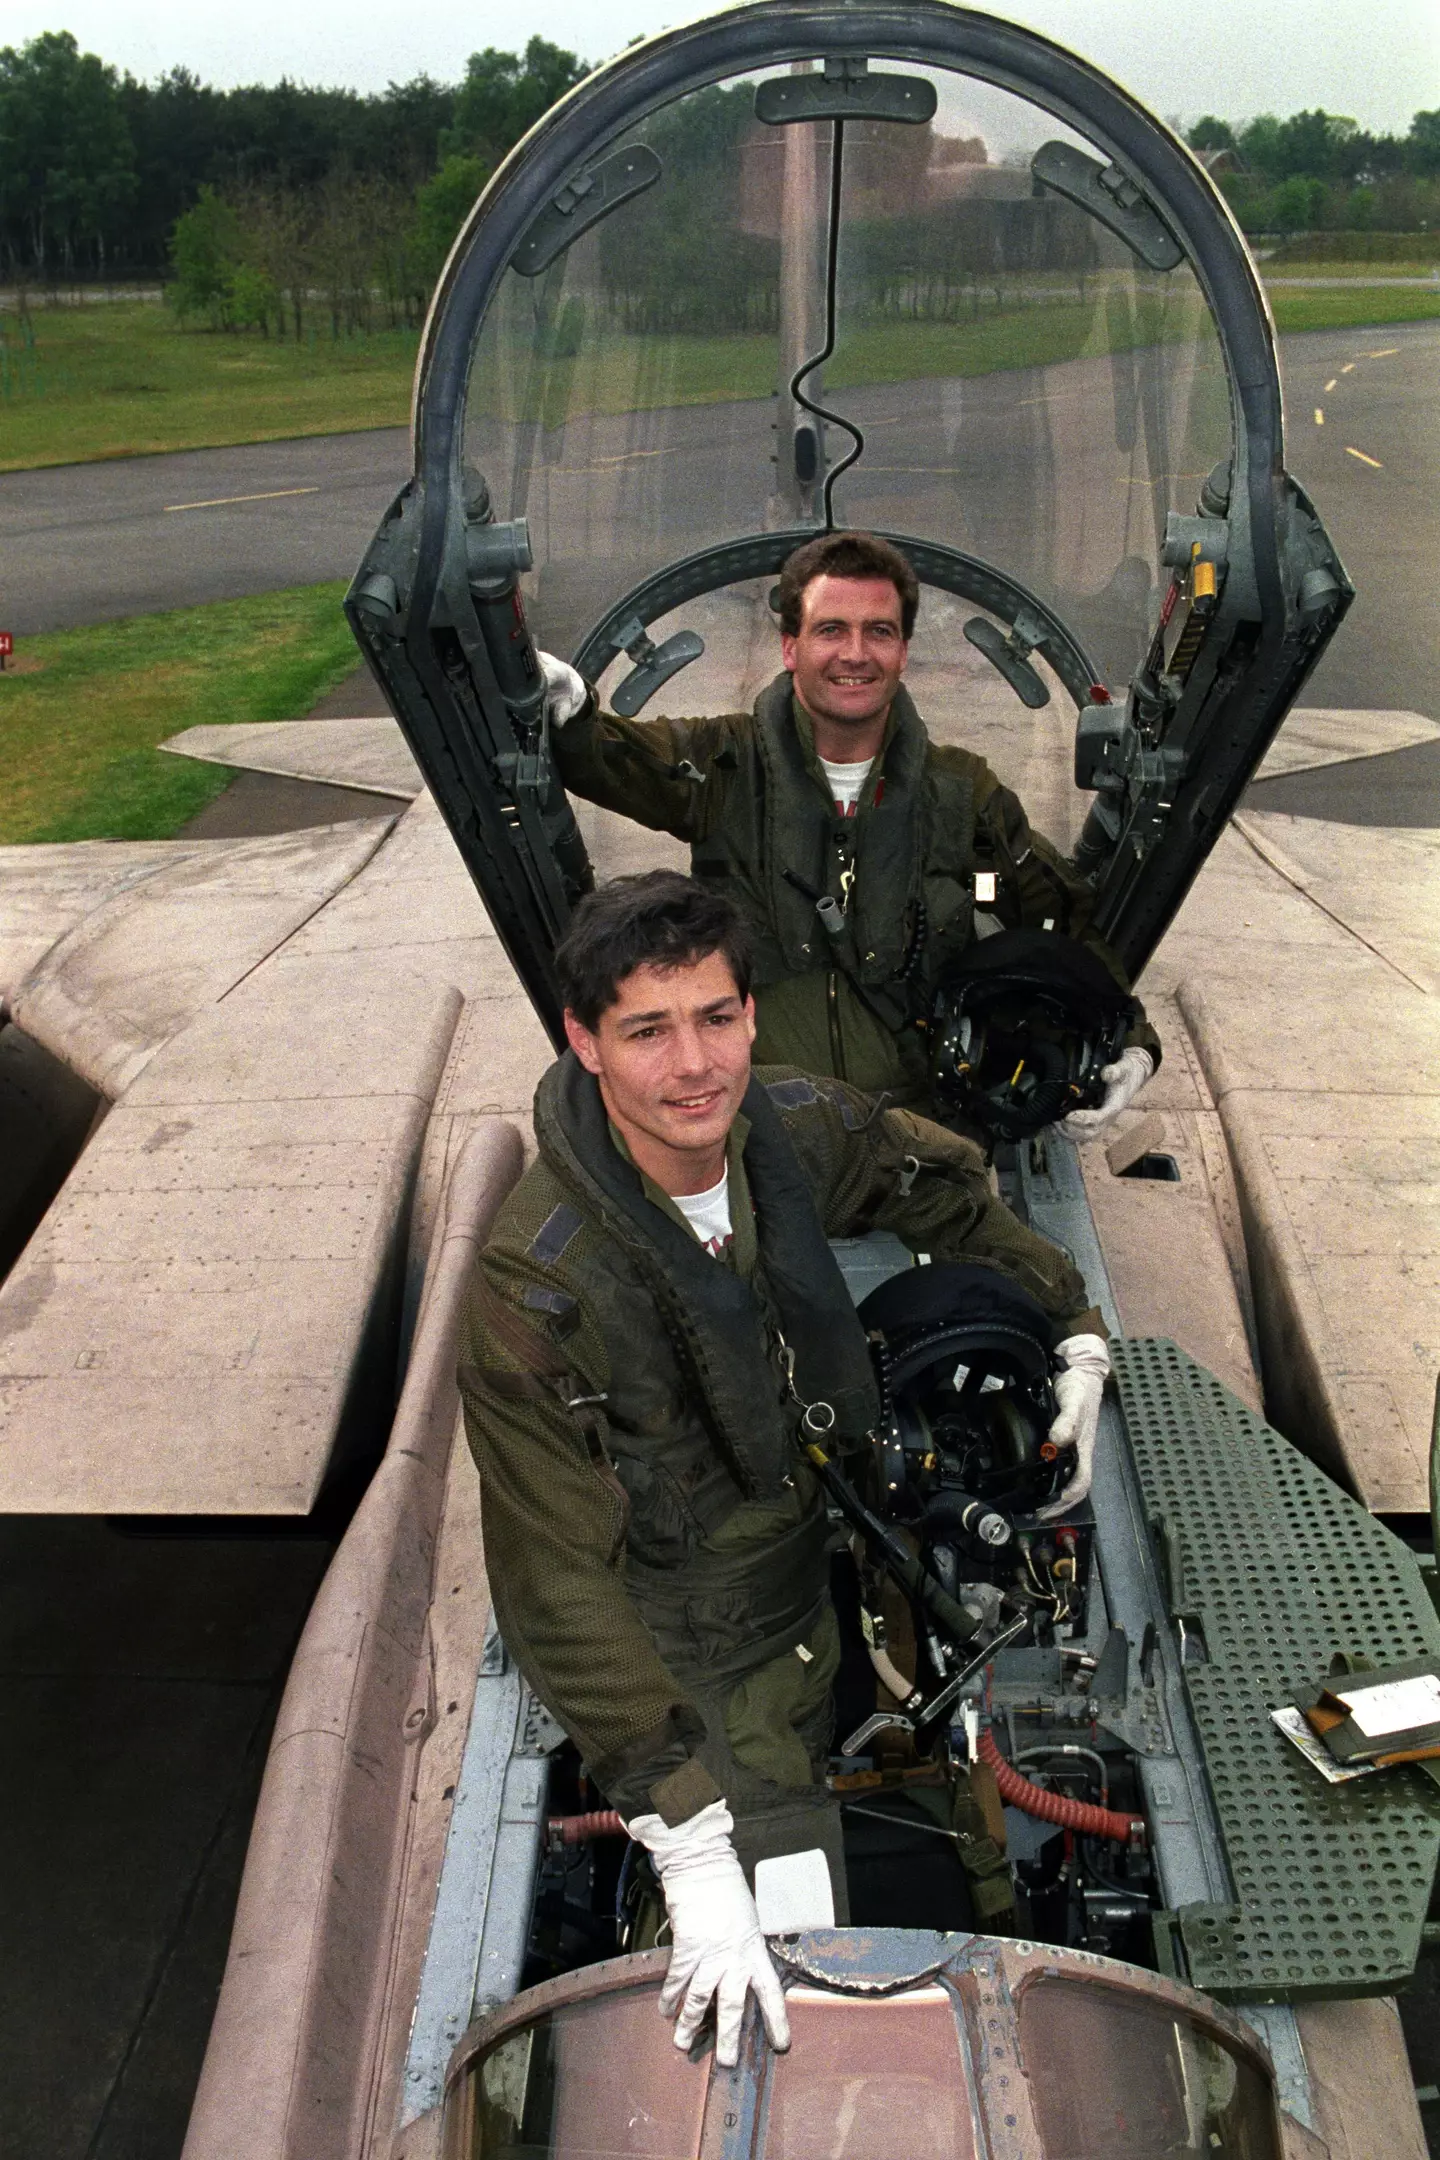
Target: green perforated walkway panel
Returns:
[1282, 1569]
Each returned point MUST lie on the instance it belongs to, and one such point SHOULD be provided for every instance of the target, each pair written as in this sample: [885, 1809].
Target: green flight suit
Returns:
[656, 1545]
[747, 792]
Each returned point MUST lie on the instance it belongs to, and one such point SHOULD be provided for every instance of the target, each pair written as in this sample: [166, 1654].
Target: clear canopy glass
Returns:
[1021, 386]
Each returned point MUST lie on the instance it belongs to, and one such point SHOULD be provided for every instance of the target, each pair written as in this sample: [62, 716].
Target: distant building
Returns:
[1221, 163]
[888, 172]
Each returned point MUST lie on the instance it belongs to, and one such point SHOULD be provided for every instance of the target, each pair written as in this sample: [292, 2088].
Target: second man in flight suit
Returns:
[855, 847]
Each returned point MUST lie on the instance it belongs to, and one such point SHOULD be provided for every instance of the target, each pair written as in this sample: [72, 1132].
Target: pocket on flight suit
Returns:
[778, 1720]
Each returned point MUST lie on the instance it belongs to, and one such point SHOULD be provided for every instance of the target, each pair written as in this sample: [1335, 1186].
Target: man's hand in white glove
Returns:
[1123, 1082]
[565, 691]
[719, 1950]
[1078, 1392]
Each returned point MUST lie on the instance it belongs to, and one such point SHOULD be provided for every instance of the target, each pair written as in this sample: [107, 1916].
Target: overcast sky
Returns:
[1375, 60]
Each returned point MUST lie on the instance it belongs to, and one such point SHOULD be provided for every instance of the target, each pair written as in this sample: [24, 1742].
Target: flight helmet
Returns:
[1022, 1025]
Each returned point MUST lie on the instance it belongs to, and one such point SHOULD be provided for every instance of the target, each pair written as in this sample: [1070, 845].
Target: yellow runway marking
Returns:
[1388, 353]
[1319, 417]
[627, 457]
[606, 465]
[1363, 459]
[1349, 368]
[220, 502]
[1331, 384]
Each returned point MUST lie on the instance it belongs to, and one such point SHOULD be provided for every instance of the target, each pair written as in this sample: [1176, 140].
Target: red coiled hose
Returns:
[1052, 1807]
[1055, 1807]
[579, 1829]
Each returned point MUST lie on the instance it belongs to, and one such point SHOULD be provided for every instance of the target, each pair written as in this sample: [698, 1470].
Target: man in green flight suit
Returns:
[655, 1308]
[857, 849]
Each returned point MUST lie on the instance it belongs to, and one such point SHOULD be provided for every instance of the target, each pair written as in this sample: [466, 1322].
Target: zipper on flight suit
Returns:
[832, 1014]
[845, 849]
[831, 913]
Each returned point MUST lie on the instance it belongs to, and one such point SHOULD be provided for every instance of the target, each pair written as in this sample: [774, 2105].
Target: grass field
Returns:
[1366, 308]
[612, 373]
[78, 730]
[616, 374]
[1279, 265]
[117, 381]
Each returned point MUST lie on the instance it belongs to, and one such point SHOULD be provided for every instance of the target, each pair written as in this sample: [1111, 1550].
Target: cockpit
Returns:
[916, 272]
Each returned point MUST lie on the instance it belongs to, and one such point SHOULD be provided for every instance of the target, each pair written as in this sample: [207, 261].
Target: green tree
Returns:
[178, 127]
[206, 251]
[676, 259]
[251, 299]
[441, 208]
[67, 165]
[1295, 204]
[1211, 134]
[1259, 143]
[1367, 158]
[503, 96]
[405, 126]
[1316, 144]
[278, 225]
[1422, 144]
[1310, 145]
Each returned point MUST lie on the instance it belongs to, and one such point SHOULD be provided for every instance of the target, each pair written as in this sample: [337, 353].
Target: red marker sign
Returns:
[7, 646]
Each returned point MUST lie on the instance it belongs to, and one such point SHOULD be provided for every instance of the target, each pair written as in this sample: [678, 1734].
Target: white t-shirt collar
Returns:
[708, 1214]
[846, 782]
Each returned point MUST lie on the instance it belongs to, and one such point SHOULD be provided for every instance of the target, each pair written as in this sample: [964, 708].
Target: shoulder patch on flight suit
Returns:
[854, 1116]
[555, 1233]
[562, 1308]
[791, 1094]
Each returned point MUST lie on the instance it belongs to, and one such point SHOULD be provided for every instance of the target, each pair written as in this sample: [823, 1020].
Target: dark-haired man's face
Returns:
[672, 1056]
[850, 651]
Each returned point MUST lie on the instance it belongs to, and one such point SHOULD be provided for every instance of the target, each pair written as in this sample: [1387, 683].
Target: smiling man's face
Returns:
[672, 1056]
[848, 656]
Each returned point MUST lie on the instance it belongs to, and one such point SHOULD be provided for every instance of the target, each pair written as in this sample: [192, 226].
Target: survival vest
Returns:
[699, 1414]
[900, 871]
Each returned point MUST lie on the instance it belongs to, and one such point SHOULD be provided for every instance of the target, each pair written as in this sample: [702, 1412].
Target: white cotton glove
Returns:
[1078, 1392]
[565, 691]
[718, 1949]
[1123, 1082]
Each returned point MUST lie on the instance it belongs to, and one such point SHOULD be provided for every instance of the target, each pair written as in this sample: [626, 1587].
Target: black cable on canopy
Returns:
[808, 367]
